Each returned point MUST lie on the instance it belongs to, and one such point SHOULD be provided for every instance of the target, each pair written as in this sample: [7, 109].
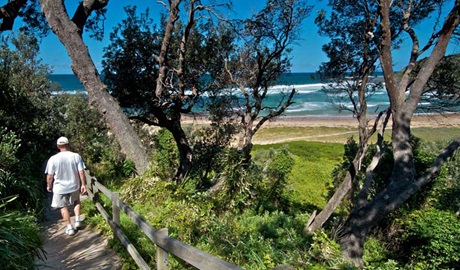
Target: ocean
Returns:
[310, 99]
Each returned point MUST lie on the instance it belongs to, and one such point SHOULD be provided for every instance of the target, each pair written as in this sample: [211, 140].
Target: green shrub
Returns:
[166, 157]
[20, 240]
[9, 145]
[324, 250]
[209, 152]
[376, 256]
[430, 239]
[276, 166]
[14, 178]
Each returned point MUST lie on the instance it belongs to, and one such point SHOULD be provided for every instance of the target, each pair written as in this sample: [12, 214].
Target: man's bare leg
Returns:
[65, 215]
[76, 210]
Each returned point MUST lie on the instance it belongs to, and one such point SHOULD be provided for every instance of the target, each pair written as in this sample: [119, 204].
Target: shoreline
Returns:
[420, 120]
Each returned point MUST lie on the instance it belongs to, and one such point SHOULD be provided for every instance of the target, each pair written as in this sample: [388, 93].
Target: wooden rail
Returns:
[165, 245]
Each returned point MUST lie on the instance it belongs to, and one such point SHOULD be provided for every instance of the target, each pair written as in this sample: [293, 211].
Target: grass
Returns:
[317, 151]
[321, 134]
[270, 135]
[436, 134]
[311, 174]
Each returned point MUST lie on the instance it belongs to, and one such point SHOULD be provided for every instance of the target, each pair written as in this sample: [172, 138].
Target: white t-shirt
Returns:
[64, 166]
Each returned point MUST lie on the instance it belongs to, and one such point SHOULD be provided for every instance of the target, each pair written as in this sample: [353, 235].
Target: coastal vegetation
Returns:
[382, 199]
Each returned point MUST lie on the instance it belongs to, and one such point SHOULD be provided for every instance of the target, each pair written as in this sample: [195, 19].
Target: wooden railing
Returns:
[164, 245]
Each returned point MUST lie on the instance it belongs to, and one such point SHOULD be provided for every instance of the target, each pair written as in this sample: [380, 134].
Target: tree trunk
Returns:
[245, 141]
[362, 220]
[365, 217]
[402, 183]
[185, 151]
[85, 70]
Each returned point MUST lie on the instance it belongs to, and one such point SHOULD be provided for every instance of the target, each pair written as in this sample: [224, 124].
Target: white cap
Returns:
[62, 141]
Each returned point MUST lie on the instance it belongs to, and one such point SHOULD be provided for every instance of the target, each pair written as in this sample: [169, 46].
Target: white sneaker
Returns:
[78, 224]
[69, 231]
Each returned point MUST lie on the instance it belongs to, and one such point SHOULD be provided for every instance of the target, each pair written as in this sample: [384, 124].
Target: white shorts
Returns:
[64, 200]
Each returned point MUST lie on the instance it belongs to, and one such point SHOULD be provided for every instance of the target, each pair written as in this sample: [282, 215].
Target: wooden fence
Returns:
[164, 245]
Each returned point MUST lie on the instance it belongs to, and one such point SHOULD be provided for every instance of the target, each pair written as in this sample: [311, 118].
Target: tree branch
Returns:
[9, 13]
[165, 44]
[275, 113]
[439, 50]
[84, 10]
[363, 193]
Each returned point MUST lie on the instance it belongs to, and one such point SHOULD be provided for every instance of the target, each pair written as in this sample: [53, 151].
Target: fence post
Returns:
[115, 208]
[162, 255]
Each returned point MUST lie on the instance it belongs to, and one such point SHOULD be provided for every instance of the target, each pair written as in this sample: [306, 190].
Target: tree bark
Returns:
[84, 68]
[185, 151]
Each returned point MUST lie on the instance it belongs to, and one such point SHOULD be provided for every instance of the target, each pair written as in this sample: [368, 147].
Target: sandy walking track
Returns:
[85, 250]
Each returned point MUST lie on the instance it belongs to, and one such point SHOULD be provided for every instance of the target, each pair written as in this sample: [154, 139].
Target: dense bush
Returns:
[429, 239]
[276, 166]
[233, 225]
[14, 179]
[166, 157]
[20, 239]
[20, 198]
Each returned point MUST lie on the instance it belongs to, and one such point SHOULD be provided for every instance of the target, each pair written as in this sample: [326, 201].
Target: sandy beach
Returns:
[346, 127]
[445, 120]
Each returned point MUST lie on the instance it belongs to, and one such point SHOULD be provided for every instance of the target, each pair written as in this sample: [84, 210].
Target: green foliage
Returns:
[129, 68]
[420, 242]
[113, 169]
[228, 225]
[376, 256]
[237, 185]
[14, 180]
[423, 159]
[429, 238]
[83, 125]
[9, 145]
[231, 226]
[166, 155]
[20, 239]
[209, 144]
[442, 87]
[324, 250]
[276, 166]
[311, 173]
[25, 97]
[259, 241]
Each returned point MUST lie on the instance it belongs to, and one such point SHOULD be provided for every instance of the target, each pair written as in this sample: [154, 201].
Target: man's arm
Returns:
[49, 182]
[83, 181]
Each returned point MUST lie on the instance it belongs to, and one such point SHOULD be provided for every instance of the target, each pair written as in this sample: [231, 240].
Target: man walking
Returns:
[65, 177]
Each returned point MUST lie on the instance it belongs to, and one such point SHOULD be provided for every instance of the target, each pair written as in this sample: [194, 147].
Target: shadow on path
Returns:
[86, 249]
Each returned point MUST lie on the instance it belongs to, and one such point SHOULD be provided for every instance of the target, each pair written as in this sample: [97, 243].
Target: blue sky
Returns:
[306, 55]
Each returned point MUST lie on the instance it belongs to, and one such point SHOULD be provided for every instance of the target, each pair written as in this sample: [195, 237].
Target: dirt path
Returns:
[85, 250]
[300, 138]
